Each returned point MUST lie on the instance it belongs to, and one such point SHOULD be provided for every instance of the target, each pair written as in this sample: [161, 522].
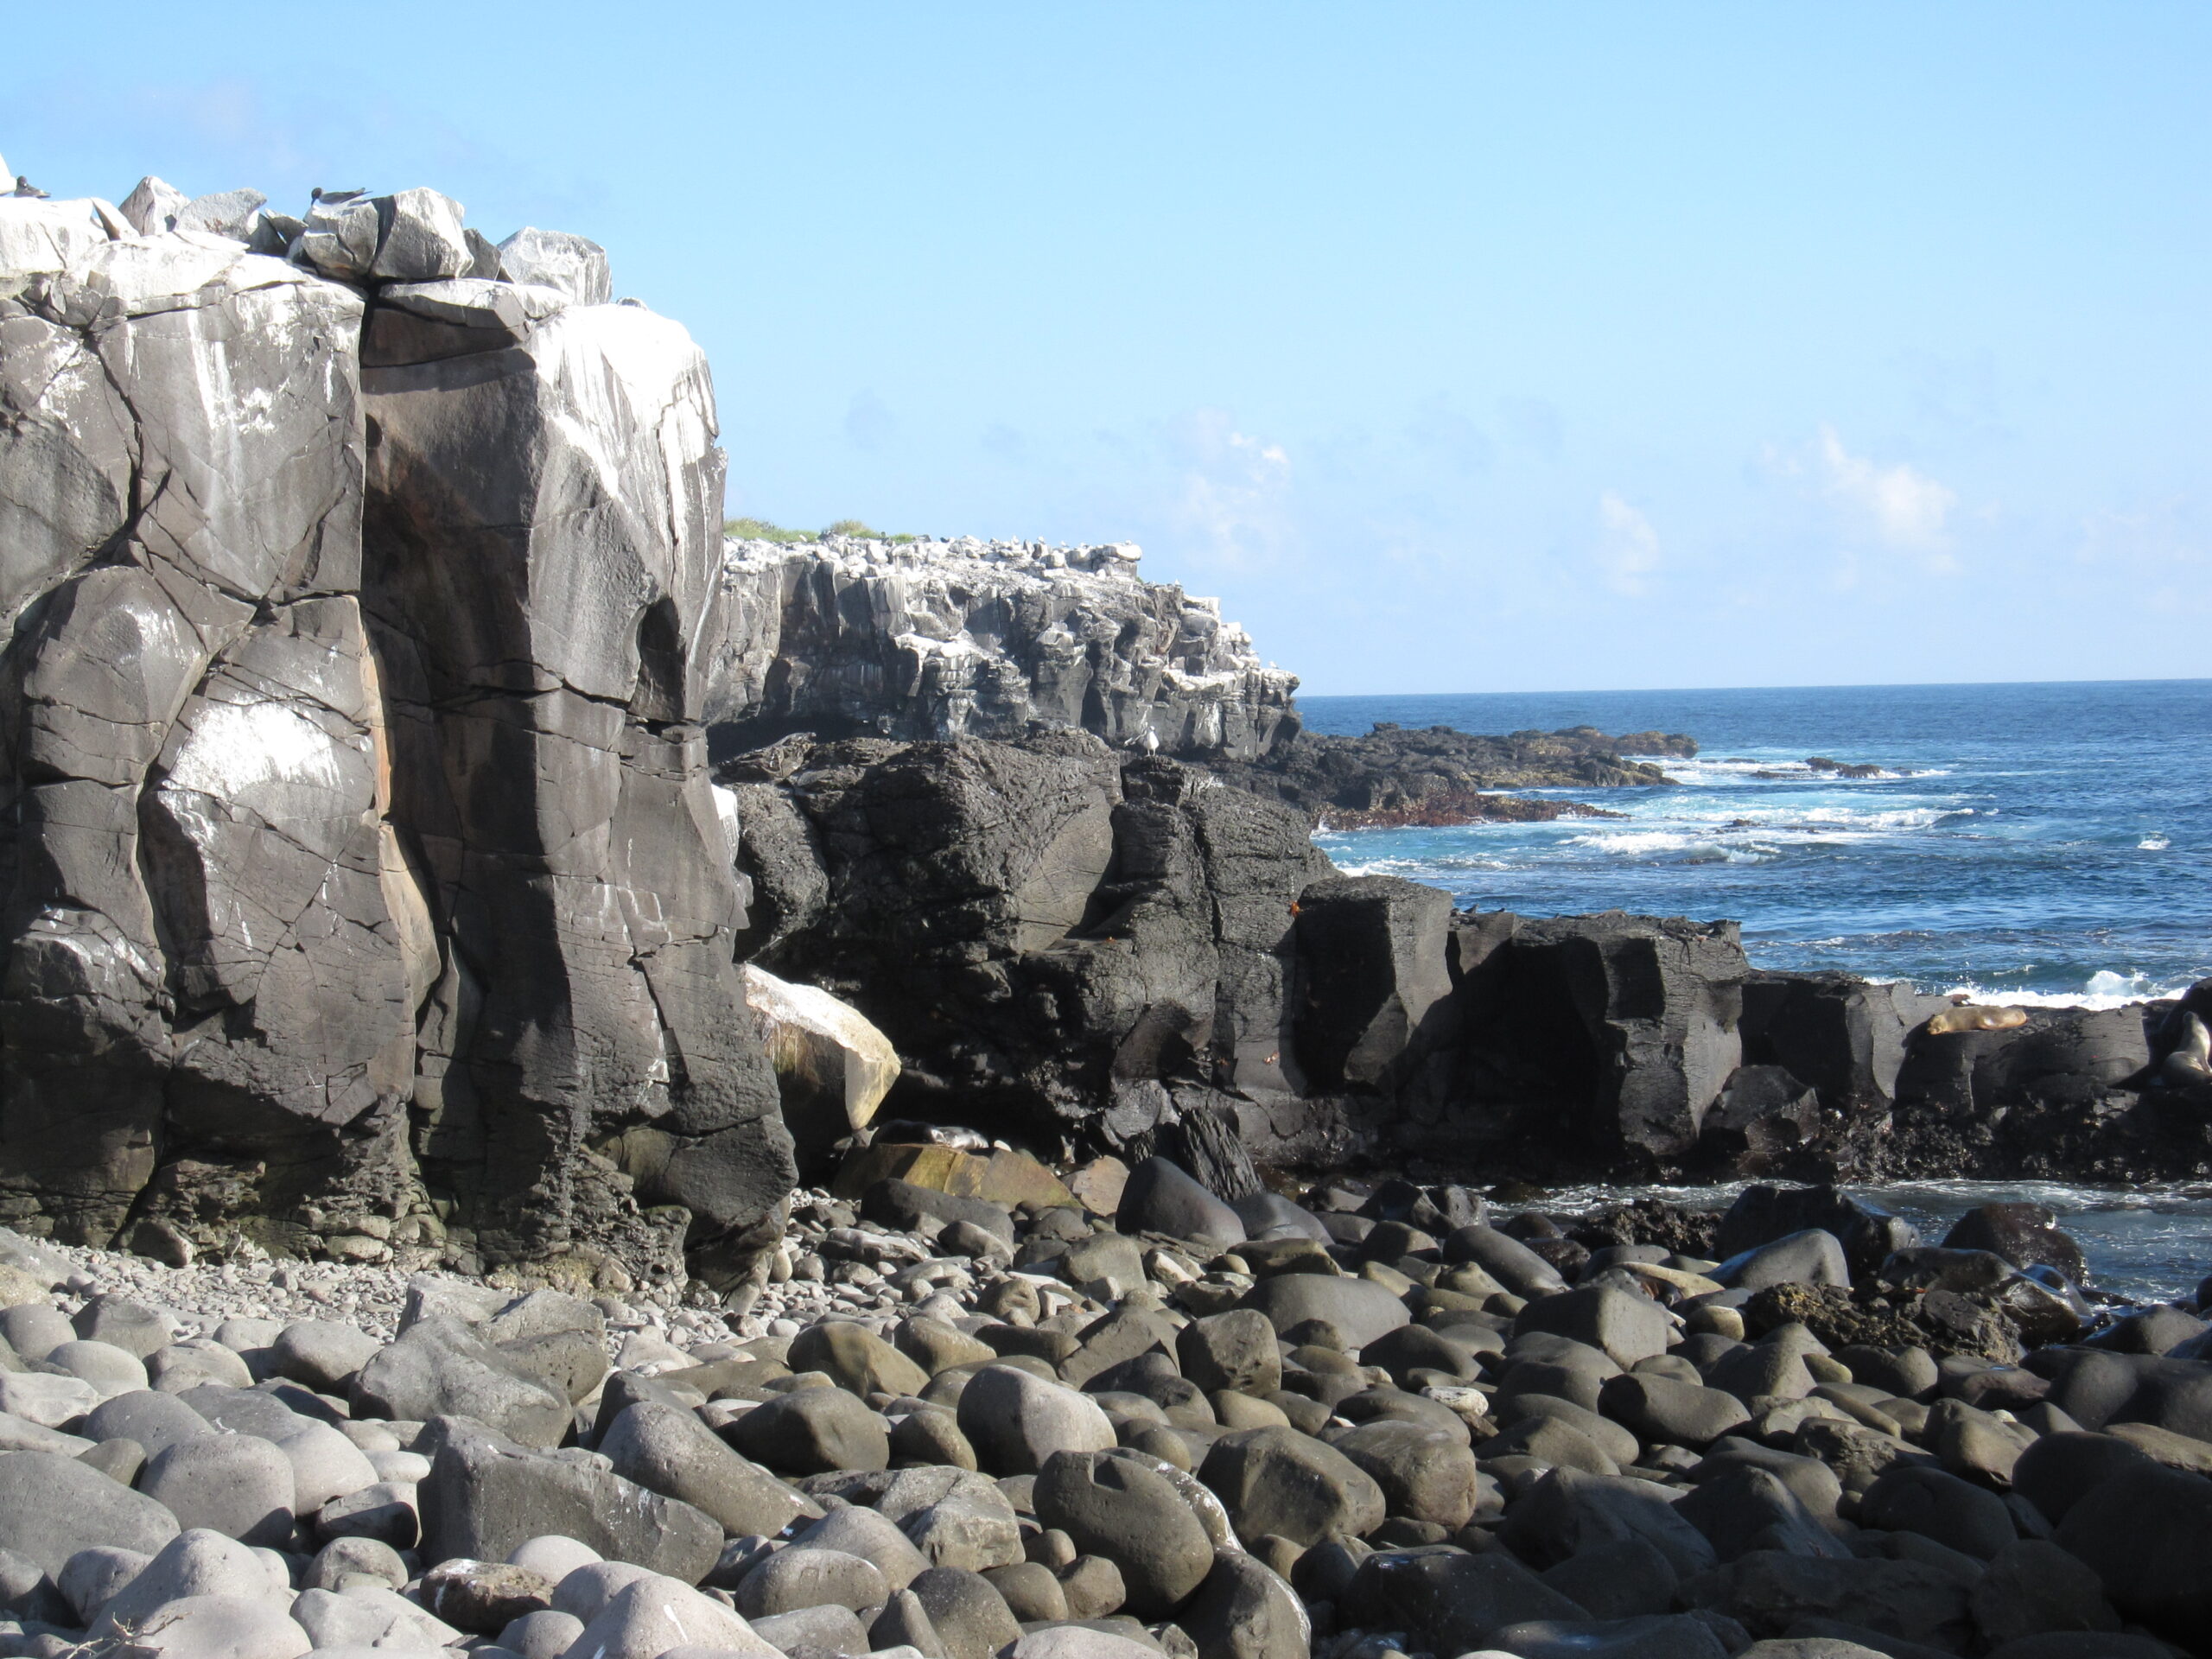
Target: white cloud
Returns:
[1234, 487]
[1628, 548]
[1905, 507]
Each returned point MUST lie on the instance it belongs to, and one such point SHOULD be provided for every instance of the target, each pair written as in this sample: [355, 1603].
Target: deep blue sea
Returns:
[2037, 842]
[2048, 843]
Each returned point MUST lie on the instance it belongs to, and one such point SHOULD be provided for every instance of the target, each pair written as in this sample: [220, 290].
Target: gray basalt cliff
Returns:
[362, 887]
[934, 639]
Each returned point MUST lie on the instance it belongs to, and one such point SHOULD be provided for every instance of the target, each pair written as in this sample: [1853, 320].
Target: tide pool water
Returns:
[2148, 1244]
[2047, 843]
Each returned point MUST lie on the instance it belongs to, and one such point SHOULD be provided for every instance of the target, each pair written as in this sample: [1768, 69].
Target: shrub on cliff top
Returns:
[759, 529]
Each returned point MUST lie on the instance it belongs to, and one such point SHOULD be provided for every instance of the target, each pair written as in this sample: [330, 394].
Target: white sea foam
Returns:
[2102, 989]
[2153, 843]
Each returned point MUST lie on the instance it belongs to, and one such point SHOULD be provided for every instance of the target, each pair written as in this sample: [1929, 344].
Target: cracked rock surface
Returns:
[361, 885]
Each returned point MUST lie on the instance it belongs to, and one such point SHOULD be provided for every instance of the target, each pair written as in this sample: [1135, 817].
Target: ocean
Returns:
[2047, 843]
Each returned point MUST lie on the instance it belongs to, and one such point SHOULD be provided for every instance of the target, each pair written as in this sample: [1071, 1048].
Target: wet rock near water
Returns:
[1394, 776]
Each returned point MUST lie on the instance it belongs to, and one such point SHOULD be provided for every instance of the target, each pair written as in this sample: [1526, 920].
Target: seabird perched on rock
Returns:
[25, 188]
[321, 194]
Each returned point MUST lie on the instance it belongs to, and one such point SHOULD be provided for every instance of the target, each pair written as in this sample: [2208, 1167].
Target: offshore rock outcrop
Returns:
[1395, 776]
[364, 887]
[931, 639]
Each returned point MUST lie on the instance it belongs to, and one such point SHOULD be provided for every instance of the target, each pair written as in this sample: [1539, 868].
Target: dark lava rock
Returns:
[1114, 1507]
[2147, 1534]
[1762, 1214]
[2027, 1235]
[1942, 1322]
[1446, 1600]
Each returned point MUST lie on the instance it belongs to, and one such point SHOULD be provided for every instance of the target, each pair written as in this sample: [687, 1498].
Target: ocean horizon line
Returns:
[1708, 690]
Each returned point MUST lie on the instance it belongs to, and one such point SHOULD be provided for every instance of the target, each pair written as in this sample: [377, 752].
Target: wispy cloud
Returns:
[1234, 488]
[1628, 547]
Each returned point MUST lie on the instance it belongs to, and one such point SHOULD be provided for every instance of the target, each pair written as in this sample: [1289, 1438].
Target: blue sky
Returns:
[1456, 348]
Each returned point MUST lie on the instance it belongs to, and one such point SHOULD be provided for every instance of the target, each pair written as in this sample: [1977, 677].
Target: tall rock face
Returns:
[358, 886]
[931, 639]
[543, 537]
[210, 937]
[1049, 933]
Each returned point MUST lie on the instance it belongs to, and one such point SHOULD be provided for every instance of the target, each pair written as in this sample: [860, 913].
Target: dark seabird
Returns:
[25, 188]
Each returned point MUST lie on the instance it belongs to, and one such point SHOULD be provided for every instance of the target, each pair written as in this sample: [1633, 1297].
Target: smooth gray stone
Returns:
[196, 1562]
[1015, 1422]
[323, 1354]
[1114, 1507]
[667, 1450]
[440, 1367]
[1160, 1198]
[1506, 1259]
[239, 1485]
[799, 1577]
[1812, 1257]
[1360, 1308]
[51, 1507]
[486, 1495]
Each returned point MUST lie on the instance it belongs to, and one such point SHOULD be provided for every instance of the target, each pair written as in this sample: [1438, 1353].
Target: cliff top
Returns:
[969, 556]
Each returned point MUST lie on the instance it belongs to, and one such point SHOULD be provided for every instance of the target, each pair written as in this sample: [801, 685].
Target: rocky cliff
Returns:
[929, 640]
[364, 889]
[363, 885]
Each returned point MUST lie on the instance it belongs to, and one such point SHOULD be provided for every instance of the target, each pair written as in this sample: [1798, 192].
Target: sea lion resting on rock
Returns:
[2191, 1059]
[1975, 1016]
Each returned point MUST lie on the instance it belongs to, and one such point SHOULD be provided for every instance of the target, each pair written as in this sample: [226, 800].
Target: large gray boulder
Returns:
[441, 1368]
[1114, 1507]
[666, 1449]
[654, 1616]
[53, 1506]
[486, 1495]
[239, 1485]
[1015, 1420]
[1360, 1308]
[557, 259]
[413, 236]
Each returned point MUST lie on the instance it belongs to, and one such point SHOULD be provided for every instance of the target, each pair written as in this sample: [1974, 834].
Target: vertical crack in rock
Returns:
[542, 519]
[348, 905]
